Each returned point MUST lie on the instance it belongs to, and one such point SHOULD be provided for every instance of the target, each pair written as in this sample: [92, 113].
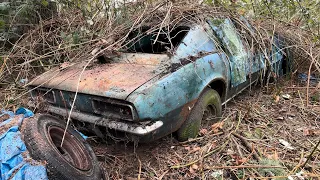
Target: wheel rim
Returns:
[209, 114]
[72, 150]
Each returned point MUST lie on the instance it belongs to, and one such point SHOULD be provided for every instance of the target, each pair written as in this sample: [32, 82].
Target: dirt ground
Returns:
[265, 132]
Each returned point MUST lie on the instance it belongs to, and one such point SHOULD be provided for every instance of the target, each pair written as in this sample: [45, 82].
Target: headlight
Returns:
[45, 94]
[114, 109]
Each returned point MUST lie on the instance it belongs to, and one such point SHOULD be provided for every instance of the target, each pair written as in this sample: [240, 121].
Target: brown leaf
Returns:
[216, 127]
[194, 149]
[306, 132]
[311, 132]
[240, 161]
[214, 144]
[316, 132]
[203, 131]
[197, 148]
[191, 170]
[275, 155]
[195, 167]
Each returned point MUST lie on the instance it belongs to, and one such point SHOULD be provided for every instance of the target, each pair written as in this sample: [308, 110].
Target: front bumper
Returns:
[135, 128]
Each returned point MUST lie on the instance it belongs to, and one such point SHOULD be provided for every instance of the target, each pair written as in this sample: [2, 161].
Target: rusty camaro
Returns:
[144, 93]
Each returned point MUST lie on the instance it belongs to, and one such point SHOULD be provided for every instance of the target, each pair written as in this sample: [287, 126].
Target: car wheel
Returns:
[207, 110]
[74, 160]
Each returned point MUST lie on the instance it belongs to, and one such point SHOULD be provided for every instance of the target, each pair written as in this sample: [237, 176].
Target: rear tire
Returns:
[209, 100]
[74, 160]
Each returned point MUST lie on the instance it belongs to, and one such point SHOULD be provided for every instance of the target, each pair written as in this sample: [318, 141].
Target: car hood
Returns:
[118, 79]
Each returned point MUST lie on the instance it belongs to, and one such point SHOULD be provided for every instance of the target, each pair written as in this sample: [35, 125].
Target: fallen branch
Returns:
[309, 157]
[247, 145]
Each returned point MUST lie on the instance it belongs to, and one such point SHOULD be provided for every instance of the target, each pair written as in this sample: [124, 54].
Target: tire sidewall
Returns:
[56, 164]
[192, 124]
[212, 98]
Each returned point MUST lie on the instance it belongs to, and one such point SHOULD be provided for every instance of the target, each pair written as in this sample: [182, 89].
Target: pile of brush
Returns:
[71, 37]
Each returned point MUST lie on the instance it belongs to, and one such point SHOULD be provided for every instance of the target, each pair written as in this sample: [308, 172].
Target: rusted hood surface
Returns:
[115, 80]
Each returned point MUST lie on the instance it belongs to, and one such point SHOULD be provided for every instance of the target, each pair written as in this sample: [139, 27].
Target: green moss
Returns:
[274, 171]
[191, 131]
[217, 22]
[45, 3]
[2, 24]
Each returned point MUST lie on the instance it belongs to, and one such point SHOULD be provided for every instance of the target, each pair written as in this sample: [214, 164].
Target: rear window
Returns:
[148, 40]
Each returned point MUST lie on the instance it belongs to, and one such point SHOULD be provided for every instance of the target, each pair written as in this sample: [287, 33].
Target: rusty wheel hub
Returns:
[72, 150]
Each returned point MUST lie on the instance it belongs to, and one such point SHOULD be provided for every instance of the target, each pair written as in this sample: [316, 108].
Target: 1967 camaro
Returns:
[145, 93]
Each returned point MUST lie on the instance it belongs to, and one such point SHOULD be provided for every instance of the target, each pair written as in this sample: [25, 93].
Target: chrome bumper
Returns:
[129, 127]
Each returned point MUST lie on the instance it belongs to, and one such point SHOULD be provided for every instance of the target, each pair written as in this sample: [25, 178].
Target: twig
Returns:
[206, 155]
[238, 147]
[309, 157]
[248, 146]
[162, 175]
[199, 138]
[139, 175]
[308, 83]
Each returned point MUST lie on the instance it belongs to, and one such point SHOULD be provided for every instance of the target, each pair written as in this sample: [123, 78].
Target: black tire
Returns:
[75, 160]
[208, 99]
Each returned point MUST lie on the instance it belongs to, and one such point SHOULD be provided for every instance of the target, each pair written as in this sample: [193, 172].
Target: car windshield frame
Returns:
[151, 41]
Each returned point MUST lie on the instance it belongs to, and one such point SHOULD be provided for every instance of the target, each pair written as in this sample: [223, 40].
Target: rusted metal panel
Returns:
[143, 59]
[238, 55]
[116, 80]
[157, 98]
[242, 61]
[133, 128]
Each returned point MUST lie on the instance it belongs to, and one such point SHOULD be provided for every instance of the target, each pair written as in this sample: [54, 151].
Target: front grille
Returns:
[103, 106]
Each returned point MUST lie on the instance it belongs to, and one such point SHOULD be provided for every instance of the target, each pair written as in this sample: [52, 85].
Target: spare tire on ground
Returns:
[74, 160]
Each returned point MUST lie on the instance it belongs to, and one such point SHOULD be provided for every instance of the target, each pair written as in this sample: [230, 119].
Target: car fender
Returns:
[179, 90]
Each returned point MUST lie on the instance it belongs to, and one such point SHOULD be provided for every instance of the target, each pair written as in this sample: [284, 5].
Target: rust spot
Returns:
[99, 79]
[186, 109]
[211, 64]
[189, 59]
[147, 61]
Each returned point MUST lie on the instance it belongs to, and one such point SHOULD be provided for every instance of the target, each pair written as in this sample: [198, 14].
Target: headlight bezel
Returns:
[114, 105]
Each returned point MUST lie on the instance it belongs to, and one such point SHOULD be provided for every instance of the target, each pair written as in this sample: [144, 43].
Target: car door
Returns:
[235, 48]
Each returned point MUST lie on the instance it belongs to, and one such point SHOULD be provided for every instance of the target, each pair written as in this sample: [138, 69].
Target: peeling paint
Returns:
[238, 55]
[159, 88]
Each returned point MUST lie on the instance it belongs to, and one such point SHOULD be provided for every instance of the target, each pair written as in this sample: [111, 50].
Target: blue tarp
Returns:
[15, 163]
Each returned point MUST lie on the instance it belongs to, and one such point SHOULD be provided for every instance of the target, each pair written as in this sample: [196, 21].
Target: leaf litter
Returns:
[246, 144]
[281, 147]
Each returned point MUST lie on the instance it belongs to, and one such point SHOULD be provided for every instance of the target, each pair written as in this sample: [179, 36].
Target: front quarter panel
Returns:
[171, 97]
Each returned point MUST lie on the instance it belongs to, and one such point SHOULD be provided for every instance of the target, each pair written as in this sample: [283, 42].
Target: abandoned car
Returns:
[146, 93]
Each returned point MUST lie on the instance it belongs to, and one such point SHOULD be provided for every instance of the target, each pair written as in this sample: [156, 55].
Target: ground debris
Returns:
[218, 152]
[286, 144]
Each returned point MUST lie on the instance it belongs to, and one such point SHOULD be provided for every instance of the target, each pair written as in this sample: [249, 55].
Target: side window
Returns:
[196, 41]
